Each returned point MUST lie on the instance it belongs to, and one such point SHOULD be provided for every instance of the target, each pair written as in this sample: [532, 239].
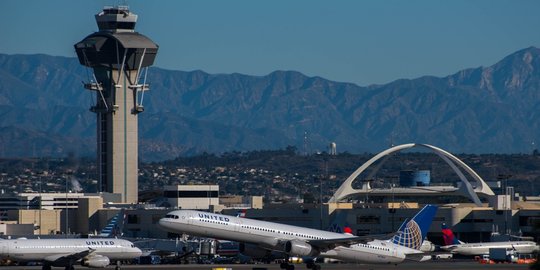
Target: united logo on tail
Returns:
[412, 233]
[410, 237]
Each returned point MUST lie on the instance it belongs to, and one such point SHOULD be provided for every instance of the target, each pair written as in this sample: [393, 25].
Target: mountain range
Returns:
[495, 109]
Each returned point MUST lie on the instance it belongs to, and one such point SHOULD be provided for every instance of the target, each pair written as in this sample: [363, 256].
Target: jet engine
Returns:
[300, 248]
[96, 261]
[427, 246]
[254, 251]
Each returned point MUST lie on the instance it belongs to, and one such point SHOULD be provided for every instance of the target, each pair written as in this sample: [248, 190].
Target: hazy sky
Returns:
[363, 42]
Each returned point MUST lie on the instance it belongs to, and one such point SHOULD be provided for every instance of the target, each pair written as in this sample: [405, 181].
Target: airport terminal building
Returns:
[88, 214]
[473, 210]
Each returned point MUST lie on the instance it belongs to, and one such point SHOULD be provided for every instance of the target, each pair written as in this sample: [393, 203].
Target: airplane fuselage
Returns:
[50, 249]
[272, 236]
[472, 249]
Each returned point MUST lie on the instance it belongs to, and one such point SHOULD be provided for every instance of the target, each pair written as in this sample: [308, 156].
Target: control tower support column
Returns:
[119, 58]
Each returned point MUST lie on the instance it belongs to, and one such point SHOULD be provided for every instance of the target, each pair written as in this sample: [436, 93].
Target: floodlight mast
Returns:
[119, 57]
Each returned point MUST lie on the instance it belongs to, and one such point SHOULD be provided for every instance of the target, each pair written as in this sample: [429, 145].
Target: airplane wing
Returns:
[328, 244]
[66, 259]
[419, 257]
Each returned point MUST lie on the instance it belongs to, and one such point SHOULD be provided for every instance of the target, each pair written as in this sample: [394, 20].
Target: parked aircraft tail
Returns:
[339, 223]
[114, 226]
[241, 213]
[412, 233]
[449, 237]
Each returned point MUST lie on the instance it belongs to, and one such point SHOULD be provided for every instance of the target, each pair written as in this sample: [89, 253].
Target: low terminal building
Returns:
[192, 196]
[89, 214]
[50, 201]
[85, 214]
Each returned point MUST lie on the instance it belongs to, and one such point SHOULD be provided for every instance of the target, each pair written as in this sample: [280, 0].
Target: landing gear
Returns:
[118, 264]
[313, 266]
[69, 267]
[286, 266]
[46, 267]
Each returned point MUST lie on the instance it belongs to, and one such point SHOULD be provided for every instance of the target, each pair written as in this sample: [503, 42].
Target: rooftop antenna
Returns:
[306, 143]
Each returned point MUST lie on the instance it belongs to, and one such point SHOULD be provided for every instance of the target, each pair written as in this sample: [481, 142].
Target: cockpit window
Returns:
[171, 216]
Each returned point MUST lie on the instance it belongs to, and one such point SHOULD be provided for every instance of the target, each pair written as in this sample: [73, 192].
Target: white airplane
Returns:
[454, 246]
[261, 237]
[58, 252]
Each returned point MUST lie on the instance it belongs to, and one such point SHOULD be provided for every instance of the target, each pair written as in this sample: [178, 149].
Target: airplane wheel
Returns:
[283, 265]
[290, 267]
[46, 267]
[316, 267]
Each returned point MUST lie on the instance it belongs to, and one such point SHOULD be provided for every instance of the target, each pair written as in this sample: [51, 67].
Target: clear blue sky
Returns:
[363, 42]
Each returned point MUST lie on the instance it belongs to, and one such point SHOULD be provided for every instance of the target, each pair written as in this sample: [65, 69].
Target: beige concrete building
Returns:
[86, 214]
[192, 196]
[12, 228]
[239, 202]
[42, 221]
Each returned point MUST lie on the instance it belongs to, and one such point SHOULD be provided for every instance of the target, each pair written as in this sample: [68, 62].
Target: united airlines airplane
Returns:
[264, 237]
[90, 252]
[455, 246]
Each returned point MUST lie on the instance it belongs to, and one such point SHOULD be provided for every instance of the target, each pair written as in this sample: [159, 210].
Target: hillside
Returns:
[479, 110]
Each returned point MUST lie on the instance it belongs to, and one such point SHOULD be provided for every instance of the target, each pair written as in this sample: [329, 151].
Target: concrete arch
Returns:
[346, 189]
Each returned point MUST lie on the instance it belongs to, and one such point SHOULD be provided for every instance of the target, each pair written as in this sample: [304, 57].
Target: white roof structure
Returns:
[346, 190]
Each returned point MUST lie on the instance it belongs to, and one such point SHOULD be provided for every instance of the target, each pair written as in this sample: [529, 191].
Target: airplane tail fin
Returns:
[448, 236]
[241, 213]
[339, 223]
[412, 233]
[114, 226]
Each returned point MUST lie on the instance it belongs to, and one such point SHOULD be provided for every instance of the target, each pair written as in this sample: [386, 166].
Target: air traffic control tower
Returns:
[119, 58]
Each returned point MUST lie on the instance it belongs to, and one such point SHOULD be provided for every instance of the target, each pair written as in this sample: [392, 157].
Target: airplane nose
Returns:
[163, 224]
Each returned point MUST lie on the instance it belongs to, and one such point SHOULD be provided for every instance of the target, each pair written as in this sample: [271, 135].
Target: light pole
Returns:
[320, 203]
[43, 174]
[321, 191]
[505, 205]
[67, 211]
[393, 210]
[40, 201]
